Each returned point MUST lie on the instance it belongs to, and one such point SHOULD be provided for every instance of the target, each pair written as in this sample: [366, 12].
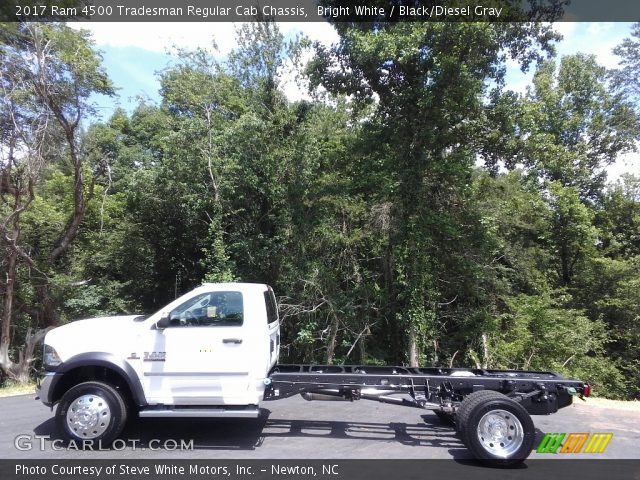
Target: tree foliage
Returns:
[47, 74]
[365, 208]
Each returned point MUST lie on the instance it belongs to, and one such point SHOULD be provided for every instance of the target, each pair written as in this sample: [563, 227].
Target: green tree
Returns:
[626, 77]
[573, 236]
[619, 218]
[48, 73]
[543, 332]
[573, 126]
[428, 80]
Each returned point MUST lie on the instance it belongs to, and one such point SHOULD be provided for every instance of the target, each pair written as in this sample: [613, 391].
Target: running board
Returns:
[200, 412]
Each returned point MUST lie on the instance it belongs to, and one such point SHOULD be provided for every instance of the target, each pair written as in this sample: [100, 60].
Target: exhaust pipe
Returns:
[324, 395]
[337, 396]
[333, 395]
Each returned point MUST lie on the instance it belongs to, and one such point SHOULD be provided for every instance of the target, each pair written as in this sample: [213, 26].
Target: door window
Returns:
[272, 307]
[208, 310]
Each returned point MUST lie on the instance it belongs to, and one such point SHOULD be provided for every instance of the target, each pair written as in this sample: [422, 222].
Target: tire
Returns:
[497, 430]
[91, 411]
[469, 401]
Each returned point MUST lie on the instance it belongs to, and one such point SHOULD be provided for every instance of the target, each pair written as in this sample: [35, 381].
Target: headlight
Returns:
[50, 357]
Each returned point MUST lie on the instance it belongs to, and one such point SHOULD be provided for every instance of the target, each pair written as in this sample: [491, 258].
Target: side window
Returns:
[209, 309]
[272, 307]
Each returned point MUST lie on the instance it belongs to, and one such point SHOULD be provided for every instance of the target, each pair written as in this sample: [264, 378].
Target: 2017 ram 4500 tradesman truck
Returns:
[213, 352]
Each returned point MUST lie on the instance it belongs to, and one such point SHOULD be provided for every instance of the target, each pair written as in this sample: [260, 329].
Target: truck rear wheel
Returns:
[93, 411]
[497, 430]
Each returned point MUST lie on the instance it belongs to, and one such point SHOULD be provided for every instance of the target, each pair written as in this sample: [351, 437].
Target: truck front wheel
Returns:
[497, 430]
[92, 411]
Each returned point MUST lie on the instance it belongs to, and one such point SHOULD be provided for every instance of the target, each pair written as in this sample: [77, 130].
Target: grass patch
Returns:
[9, 389]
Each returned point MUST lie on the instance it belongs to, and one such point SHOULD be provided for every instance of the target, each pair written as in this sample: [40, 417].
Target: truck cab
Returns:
[207, 353]
[213, 346]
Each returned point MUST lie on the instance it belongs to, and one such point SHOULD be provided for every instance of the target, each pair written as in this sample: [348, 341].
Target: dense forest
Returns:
[414, 211]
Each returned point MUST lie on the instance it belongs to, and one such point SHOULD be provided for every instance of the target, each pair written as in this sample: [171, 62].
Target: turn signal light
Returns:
[50, 357]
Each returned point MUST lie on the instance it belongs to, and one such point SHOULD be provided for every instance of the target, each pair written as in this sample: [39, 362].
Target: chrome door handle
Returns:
[232, 340]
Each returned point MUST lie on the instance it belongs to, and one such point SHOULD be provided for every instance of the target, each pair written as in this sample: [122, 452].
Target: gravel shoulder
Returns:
[629, 406]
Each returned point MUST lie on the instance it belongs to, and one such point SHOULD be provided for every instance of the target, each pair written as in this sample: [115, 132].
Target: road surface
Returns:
[294, 428]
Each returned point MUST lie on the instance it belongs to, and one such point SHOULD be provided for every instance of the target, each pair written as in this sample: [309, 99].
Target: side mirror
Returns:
[163, 322]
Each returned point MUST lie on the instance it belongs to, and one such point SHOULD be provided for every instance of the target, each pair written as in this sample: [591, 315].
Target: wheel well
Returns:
[92, 373]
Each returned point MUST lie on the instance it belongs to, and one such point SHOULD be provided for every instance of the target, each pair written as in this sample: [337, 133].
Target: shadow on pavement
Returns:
[248, 434]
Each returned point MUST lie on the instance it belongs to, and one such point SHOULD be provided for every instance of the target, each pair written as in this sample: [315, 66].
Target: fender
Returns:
[101, 359]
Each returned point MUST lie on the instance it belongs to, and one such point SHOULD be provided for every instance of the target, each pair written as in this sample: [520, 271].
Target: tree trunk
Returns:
[566, 270]
[363, 348]
[413, 348]
[20, 371]
[485, 351]
[80, 200]
[5, 331]
[48, 307]
[333, 335]
[394, 326]
[15, 370]
[48, 314]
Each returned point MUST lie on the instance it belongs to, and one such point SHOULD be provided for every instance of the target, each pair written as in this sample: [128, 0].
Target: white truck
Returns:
[213, 352]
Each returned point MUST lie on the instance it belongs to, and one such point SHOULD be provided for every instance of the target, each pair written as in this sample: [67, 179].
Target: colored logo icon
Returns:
[574, 442]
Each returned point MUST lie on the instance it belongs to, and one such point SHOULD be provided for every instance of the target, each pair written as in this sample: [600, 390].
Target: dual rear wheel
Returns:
[496, 429]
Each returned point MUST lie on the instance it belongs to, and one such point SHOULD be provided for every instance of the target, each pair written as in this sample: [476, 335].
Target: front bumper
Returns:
[45, 386]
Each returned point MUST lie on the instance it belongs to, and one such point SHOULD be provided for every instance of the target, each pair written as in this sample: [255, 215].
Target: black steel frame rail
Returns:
[287, 380]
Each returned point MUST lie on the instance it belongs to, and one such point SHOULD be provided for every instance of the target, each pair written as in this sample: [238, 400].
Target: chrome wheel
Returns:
[88, 416]
[500, 433]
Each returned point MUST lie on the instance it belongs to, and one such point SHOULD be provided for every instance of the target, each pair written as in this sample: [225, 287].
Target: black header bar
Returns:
[329, 469]
[320, 10]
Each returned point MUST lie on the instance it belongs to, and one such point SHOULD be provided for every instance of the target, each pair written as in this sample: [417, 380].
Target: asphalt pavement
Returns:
[293, 429]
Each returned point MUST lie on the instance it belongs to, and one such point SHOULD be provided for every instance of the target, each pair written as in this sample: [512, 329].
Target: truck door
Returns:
[204, 356]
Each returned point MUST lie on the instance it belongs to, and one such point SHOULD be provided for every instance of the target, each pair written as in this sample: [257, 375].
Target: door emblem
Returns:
[155, 356]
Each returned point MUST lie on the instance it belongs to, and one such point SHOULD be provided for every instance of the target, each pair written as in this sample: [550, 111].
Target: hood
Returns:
[94, 334]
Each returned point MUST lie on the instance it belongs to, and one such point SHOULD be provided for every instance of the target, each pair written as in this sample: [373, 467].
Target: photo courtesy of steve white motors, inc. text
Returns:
[169, 469]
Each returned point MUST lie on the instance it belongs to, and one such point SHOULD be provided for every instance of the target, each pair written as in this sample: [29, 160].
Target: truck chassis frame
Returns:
[490, 408]
[441, 389]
